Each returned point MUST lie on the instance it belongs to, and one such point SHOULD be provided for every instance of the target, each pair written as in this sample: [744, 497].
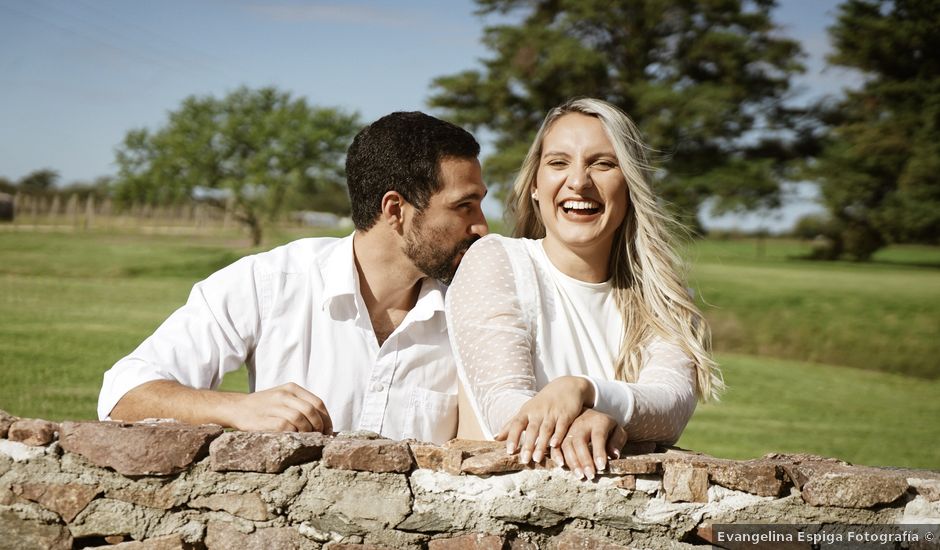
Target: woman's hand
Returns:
[592, 437]
[544, 420]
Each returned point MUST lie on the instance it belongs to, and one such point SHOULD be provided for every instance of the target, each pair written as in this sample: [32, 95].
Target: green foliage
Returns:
[39, 181]
[699, 78]
[880, 169]
[7, 186]
[262, 149]
[73, 304]
[877, 316]
[772, 405]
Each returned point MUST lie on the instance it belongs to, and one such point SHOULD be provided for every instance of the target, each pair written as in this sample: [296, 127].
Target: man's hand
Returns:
[592, 437]
[544, 420]
[285, 408]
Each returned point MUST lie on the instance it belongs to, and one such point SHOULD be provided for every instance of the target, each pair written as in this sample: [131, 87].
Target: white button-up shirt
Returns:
[296, 314]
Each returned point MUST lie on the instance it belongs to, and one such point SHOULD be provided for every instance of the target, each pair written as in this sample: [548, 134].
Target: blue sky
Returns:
[75, 75]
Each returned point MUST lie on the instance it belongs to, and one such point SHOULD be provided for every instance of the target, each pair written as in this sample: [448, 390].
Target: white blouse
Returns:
[516, 322]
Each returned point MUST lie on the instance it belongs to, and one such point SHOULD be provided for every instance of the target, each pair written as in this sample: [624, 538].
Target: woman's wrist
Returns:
[586, 390]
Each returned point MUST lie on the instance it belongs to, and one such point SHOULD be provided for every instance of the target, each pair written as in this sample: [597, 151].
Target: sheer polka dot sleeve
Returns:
[491, 339]
[665, 394]
[658, 406]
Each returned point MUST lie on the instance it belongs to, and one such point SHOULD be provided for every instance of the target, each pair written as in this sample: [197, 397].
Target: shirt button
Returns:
[377, 387]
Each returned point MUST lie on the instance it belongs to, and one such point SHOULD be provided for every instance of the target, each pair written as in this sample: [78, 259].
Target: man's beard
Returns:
[427, 250]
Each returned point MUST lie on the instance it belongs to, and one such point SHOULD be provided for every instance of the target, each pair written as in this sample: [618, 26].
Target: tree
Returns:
[880, 169]
[705, 82]
[7, 186]
[255, 151]
[39, 181]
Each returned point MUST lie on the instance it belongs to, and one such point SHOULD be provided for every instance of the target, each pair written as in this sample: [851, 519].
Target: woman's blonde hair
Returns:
[645, 269]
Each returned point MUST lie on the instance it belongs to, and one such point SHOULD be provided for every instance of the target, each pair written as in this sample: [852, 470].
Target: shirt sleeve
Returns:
[491, 341]
[212, 334]
[660, 403]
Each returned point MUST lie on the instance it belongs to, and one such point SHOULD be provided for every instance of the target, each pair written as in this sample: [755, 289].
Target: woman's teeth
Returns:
[583, 207]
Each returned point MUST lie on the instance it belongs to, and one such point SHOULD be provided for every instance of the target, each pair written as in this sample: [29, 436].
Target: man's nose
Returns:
[479, 225]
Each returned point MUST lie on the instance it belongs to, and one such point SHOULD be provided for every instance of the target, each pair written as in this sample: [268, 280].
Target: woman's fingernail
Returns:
[579, 473]
[537, 456]
[599, 462]
[616, 453]
[589, 472]
[560, 461]
[525, 456]
[509, 448]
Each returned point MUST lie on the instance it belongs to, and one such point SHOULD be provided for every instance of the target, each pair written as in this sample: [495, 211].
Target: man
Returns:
[338, 334]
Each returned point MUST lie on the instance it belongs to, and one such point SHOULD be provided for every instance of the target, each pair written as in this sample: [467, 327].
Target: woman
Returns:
[581, 333]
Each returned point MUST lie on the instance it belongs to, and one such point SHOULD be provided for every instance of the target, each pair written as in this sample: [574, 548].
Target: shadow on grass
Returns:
[197, 268]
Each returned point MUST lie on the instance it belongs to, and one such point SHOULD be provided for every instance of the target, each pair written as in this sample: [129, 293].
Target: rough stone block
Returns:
[7, 497]
[584, 540]
[356, 546]
[927, 488]
[67, 500]
[352, 503]
[758, 477]
[685, 483]
[138, 449]
[223, 536]
[267, 452]
[248, 506]
[168, 542]
[380, 455]
[6, 420]
[472, 447]
[164, 497]
[361, 434]
[33, 431]
[626, 482]
[800, 467]
[469, 542]
[854, 488]
[22, 533]
[637, 465]
[493, 462]
[20, 452]
[432, 457]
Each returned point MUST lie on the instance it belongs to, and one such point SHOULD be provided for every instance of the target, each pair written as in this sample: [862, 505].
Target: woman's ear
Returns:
[393, 210]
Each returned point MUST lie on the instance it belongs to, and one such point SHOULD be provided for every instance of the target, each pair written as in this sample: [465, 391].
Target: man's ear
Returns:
[393, 210]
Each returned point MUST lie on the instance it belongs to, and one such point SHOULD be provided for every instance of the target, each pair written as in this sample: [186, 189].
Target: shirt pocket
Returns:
[431, 416]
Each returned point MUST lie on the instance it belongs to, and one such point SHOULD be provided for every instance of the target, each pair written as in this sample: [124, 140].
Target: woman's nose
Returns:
[579, 178]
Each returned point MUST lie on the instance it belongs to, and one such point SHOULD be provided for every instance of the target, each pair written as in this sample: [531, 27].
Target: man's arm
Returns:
[172, 373]
[287, 408]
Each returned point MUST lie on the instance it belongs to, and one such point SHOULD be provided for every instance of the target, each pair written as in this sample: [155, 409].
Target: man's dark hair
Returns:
[401, 152]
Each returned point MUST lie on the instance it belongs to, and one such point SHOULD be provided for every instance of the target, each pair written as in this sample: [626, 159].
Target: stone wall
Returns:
[164, 485]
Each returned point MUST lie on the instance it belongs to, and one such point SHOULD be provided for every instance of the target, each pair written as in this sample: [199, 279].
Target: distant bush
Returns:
[824, 233]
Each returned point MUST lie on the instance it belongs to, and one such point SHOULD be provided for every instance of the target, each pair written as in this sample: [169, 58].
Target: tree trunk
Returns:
[255, 227]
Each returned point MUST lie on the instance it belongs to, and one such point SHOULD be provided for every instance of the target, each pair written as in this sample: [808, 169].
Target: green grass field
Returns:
[787, 332]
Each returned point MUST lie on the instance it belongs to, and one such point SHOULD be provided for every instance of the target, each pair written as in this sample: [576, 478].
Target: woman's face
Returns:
[581, 191]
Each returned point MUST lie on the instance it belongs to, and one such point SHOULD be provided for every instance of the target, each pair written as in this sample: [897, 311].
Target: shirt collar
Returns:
[338, 268]
[340, 278]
